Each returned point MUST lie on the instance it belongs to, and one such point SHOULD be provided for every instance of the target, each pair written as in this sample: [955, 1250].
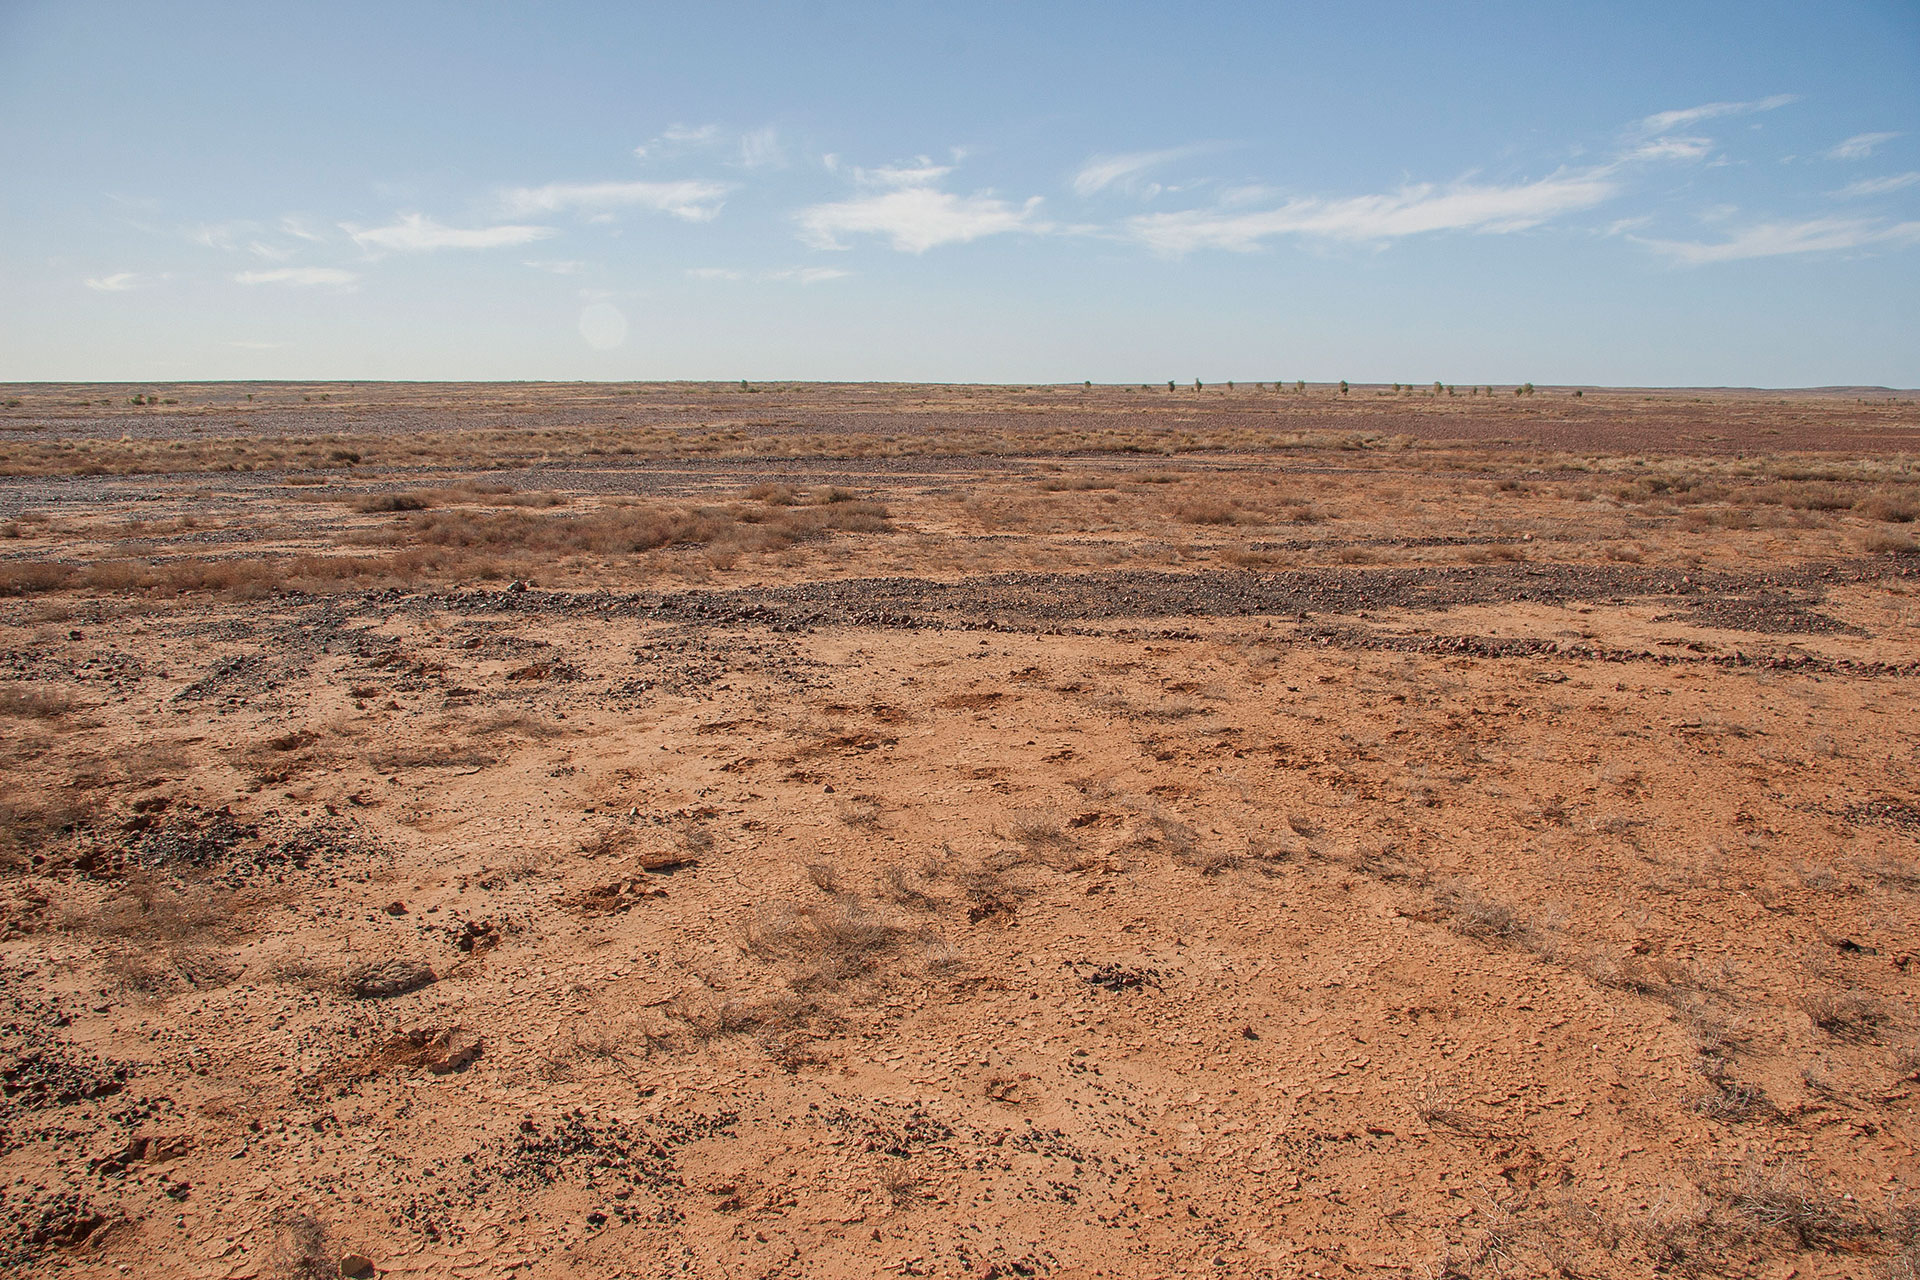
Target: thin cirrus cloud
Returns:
[416, 233]
[904, 206]
[1859, 146]
[1878, 186]
[305, 277]
[691, 200]
[1779, 239]
[1672, 148]
[1665, 121]
[789, 275]
[1414, 210]
[1125, 171]
[118, 282]
[752, 149]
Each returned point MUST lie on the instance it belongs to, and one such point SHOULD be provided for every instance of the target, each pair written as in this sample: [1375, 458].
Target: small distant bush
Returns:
[417, 500]
[1205, 512]
[1894, 508]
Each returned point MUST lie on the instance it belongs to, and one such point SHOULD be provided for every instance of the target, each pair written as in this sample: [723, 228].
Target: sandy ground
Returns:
[1486, 846]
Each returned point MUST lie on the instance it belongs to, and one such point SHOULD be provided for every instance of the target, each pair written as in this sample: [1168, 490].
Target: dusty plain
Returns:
[848, 831]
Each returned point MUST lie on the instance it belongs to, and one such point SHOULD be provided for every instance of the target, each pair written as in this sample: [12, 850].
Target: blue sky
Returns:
[1662, 194]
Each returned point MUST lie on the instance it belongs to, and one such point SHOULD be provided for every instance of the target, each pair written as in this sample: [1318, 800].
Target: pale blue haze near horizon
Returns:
[1626, 194]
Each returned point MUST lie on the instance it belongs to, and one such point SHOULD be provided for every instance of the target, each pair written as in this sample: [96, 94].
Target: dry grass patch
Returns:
[826, 944]
[34, 704]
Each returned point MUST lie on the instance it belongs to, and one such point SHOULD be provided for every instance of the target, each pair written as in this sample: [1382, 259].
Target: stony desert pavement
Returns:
[844, 831]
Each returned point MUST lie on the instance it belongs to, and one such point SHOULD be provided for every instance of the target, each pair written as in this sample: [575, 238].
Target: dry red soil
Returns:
[860, 831]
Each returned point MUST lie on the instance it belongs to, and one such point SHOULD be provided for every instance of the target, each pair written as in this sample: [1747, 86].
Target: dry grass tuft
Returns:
[1473, 915]
[1891, 507]
[1845, 1015]
[826, 944]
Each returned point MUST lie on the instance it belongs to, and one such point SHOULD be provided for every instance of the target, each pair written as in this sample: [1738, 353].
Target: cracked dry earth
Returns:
[1117, 896]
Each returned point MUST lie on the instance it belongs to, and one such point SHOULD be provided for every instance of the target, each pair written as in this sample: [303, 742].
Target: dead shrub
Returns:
[1845, 1015]
[774, 494]
[32, 577]
[33, 828]
[1037, 831]
[1473, 915]
[786, 1011]
[414, 500]
[828, 944]
[1893, 508]
[907, 888]
[1888, 542]
[1788, 1200]
[1805, 496]
[515, 724]
[1205, 511]
[149, 909]
[34, 704]
[306, 1250]
[1077, 484]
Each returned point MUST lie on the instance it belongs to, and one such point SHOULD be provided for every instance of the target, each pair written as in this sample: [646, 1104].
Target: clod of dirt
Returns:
[440, 1052]
[989, 907]
[388, 978]
[476, 936]
[1118, 977]
[614, 898]
[144, 1149]
[665, 862]
[449, 1051]
[355, 1266]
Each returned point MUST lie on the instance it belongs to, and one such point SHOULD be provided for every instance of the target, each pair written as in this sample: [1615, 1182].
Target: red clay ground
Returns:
[958, 831]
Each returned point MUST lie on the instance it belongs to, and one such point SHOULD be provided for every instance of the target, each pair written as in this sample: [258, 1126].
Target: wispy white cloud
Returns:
[747, 149]
[1776, 239]
[678, 137]
[809, 275]
[1680, 148]
[692, 200]
[1666, 121]
[760, 149]
[903, 204]
[302, 276]
[301, 229]
[1125, 170]
[1878, 186]
[273, 242]
[416, 232]
[789, 275]
[221, 235]
[921, 173]
[1413, 210]
[120, 282]
[1860, 146]
[916, 219]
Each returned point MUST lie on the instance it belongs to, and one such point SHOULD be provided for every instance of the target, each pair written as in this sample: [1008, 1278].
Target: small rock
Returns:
[355, 1266]
[452, 1050]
